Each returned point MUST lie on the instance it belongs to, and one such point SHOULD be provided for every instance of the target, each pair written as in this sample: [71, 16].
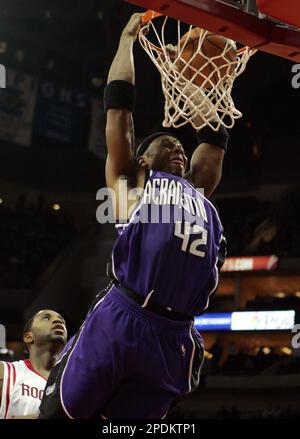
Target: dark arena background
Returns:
[53, 252]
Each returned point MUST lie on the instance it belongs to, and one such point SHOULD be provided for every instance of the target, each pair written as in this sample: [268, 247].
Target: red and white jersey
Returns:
[22, 389]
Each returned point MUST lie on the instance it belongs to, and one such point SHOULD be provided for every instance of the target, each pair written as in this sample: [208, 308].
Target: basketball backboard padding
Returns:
[288, 12]
[232, 22]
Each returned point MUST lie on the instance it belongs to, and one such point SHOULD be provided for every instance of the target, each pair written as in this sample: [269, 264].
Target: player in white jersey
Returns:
[22, 382]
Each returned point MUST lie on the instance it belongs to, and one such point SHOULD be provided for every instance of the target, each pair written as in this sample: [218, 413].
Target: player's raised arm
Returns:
[119, 101]
[207, 159]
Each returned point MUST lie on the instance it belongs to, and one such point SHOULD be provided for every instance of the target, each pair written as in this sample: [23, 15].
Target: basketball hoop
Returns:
[197, 87]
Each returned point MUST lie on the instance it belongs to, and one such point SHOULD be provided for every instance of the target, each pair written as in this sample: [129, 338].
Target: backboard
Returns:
[261, 24]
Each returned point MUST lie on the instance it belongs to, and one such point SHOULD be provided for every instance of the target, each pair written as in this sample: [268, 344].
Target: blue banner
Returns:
[247, 321]
[214, 322]
[17, 103]
[61, 113]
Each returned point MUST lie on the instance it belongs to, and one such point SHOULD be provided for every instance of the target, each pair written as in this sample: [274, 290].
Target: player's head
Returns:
[45, 328]
[162, 152]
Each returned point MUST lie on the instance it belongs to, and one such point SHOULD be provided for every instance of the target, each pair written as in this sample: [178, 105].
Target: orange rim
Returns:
[146, 18]
[149, 15]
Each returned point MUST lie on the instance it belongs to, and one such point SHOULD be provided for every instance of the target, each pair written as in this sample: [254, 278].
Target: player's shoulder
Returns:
[200, 192]
[20, 363]
[9, 363]
[19, 369]
[17, 365]
[7, 367]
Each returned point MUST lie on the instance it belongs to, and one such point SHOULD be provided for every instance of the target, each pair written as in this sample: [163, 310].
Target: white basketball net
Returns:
[211, 104]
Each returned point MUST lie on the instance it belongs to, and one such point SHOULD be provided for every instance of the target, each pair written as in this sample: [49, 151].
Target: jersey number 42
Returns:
[189, 232]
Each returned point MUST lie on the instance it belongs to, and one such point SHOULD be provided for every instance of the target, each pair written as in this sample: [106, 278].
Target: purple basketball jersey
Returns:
[170, 246]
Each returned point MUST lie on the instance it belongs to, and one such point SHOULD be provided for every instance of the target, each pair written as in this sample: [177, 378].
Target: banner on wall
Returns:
[247, 321]
[251, 263]
[17, 103]
[61, 113]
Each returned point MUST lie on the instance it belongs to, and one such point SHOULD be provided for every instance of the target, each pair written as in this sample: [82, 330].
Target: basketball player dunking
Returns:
[137, 350]
[22, 382]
